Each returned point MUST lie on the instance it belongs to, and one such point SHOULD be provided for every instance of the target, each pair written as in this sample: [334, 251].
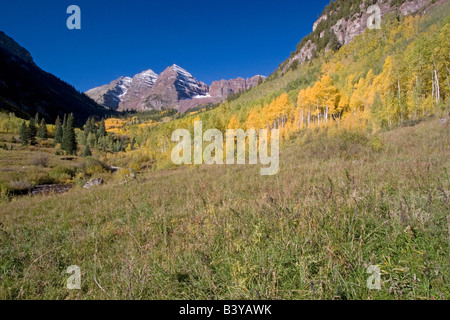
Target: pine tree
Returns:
[36, 118]
[69, 142]
[23, 133]
[87, 152]
[42, 131]
[89, 127]
[260, 80]
[64, 122]
[32, 131]
[102, 129]
[91, 140]
[58, 131]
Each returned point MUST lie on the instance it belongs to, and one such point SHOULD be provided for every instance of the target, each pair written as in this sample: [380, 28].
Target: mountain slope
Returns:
[173, 84]
[343, 20]
[110, 95]
[335, 208]
[26, 89]
[140, 84]
[377, 81]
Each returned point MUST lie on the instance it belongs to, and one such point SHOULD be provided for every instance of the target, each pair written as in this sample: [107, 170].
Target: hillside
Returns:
[25, 89]
[363, 180]
[342, 20]
[380, 79]
[339, 204]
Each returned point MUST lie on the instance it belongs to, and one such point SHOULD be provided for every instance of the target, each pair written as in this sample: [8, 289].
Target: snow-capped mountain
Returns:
[173, 85]
[173, 88]
[111, 95]
[139, 86]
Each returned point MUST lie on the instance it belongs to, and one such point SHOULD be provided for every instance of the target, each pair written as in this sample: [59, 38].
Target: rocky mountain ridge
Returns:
[173, 88]
[342, 20]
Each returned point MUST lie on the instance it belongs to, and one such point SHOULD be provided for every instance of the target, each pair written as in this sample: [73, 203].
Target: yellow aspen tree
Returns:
[253, 120]
[234, 123]
[301, 109]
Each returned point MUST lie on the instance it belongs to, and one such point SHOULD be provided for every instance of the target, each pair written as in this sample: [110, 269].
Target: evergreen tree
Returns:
[64, 122]
[42, 132]
[36, 118]
[89, 127]
[32, 131]
[102, 129]
[58, 131]
[23, 133]
[87, 151]
[260, 80]
[333, 41]
[69, 142]
[91, 140]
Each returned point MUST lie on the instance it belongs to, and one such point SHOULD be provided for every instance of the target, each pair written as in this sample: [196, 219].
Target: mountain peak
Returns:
[13, 48]
[174, 87]
[148, 73]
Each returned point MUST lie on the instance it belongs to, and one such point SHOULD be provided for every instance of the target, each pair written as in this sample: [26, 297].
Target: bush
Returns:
[37, 177]
[136, 167]
[46, 144]
[41, 160]
[125, 174]
[4, 192]
[93, 166]
[376, 143]
[62, 174]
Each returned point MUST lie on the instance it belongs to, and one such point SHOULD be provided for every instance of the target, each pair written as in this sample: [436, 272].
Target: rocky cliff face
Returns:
[111, 95]
[224, 88]
[349, 25]
[173, 85]
[140, 84]
[173, 88]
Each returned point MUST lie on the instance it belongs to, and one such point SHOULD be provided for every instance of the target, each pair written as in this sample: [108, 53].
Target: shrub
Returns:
[46, 144]
[62, 174]
[136, 167]
[125, 174]
[93, 166]
[41, 160]
[36, 177]
[376, 143]
[4, 192]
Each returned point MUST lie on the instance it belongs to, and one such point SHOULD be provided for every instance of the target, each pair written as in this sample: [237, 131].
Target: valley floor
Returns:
[338, 205]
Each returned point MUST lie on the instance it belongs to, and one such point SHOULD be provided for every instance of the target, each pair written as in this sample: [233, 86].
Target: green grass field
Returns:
[338, 205]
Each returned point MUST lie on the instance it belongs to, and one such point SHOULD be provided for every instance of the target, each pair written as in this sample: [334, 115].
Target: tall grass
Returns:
[338, 205]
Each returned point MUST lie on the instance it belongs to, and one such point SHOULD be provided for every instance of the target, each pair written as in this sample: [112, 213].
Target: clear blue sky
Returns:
[211, 39]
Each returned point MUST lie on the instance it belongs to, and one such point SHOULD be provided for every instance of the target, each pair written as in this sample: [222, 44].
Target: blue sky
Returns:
[213, 40]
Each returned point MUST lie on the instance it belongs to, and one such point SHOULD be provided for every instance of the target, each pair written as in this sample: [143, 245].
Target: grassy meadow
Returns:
[341, 202]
